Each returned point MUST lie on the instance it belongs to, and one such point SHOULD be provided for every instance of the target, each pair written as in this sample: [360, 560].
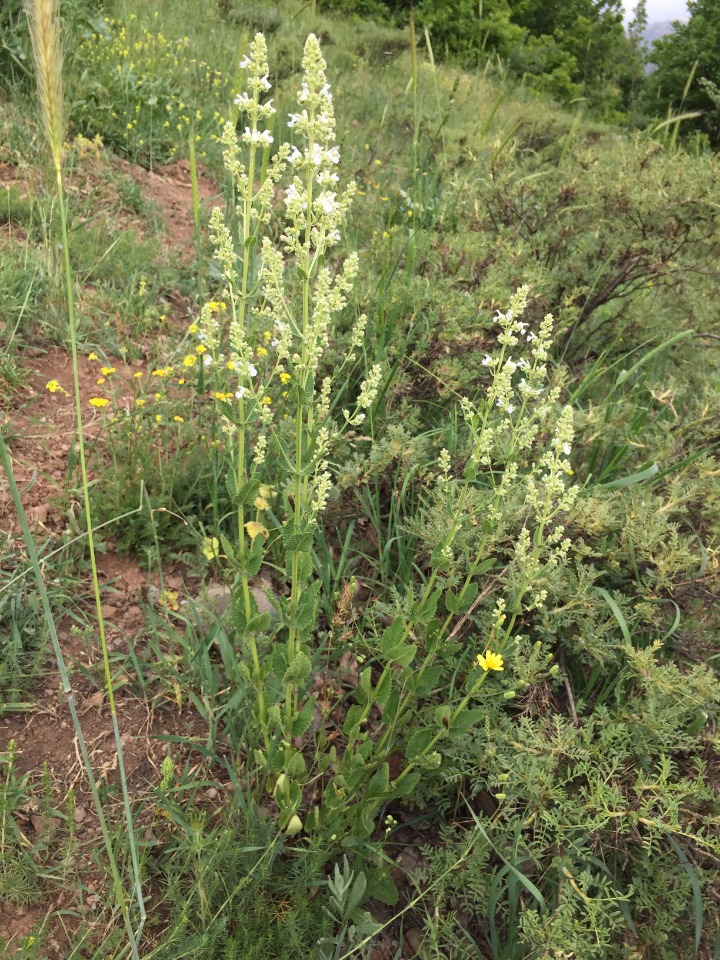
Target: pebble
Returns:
[80, 814]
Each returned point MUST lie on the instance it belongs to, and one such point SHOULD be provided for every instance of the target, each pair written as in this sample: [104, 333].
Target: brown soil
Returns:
[170, 189]
[41, 429]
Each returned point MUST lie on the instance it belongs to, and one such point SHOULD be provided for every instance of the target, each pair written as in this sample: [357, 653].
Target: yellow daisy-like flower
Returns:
[211, 547]
[106, 371]
[100, 380]
[285, 377]
[190, 360]
[162, 372]
[138, 374]
[266, 401]
[490, 661]
[99, 401]
[140, 402]
[262, 352]
[158, 396]
[179, 419]
[170, 600]
[158, 418]
[261, 503]
[181, 381]
[93, 356]
[201, 348]
[54, 387]
[193, 328]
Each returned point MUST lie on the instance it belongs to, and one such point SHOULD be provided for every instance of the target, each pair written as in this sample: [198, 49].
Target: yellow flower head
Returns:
[193, 328]
[99, 402]
[266, 401]
[262, 351]
[138, 374]
[179, 419]
[490, 661]
[106, 371]
[211, 547]
[54, 387]
[201, 348]
[190, 360]
[93, 356]
[140, 402]
[285, 377]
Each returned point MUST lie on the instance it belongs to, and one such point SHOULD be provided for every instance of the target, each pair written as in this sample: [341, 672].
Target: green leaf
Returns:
[352, 719]
[295, 765]
[425, 614]
[381, 887]
[298, 537]
[407, 785]
[424, 684]
[304, 717]
[379, 783]
[382, 690]
[392, 636]
[298, 670]
[466, 720]
[418, 743]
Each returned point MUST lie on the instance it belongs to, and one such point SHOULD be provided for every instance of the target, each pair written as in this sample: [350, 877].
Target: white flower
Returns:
[325, 92]
[327, 202]
[317, 154]
[530, 337]
[252, 370]
[258, 136]
[295, 118]
[324, 177]
[274, 343]
[244, 101]
[333, 155]
[207, 360]
[291, 194]
[245, 63]
[240, 392]
[304, 93]
[566, 448]
[295, 157]
[487, 361]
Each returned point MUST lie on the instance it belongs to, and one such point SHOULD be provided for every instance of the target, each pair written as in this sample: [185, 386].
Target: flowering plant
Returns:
[262, 348]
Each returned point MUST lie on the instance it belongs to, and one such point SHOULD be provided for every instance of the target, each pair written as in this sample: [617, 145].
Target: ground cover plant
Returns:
[360, 508]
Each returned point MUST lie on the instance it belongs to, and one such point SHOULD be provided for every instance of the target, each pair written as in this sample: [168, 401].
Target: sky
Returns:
[659, 10]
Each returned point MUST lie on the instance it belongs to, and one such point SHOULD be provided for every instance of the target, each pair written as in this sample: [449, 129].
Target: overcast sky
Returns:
[659, 10]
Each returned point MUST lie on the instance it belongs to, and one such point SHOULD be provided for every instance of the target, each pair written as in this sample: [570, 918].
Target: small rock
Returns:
[108, 611]
[211, 793]
[44, 826]
[414, 940]
[133, 613]
[80, 814]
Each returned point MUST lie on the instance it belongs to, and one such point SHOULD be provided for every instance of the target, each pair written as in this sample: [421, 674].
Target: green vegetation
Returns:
[395, 465]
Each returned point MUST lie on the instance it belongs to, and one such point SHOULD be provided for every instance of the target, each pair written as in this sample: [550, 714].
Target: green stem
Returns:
[91, 545]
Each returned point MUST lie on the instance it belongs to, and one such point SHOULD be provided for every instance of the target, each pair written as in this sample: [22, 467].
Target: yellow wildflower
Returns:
[254, 528]
[193, 328]
[140, 402]
[490, 661]
[93, 356]
[285, 377]
[211, 547]
[179, 419]
[106, 371]
[99, 402]
[262, 352]
[138, 374]
[100, 380]
[201, 348]
[54, 387]
[190, 360]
